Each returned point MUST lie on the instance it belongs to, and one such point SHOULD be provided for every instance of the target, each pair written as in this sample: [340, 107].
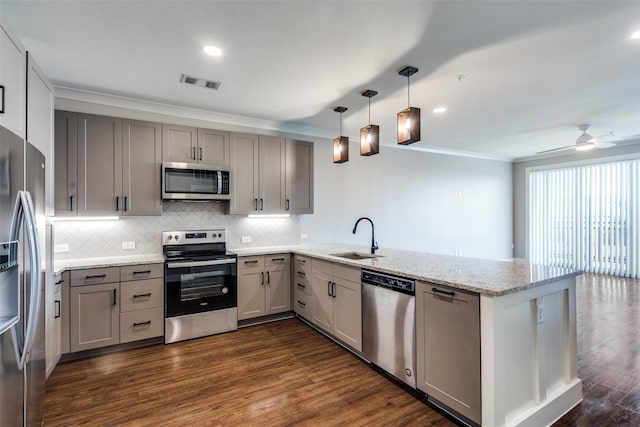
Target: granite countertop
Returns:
[484, 276]
[117, 261]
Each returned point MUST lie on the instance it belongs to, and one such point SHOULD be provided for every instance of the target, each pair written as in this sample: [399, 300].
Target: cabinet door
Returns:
[278, 290]
[53, 327]
[251, 293]
[213, 148]
[66, 163]
[322, 305]
[448, 347]
[347, 313]
[13, 77]
[244, 174]
[142, 157]
[179, 143]
[271, 172]
[299, 177]
[95, 316]
[40, 124]
[99, 165]
[65, 313]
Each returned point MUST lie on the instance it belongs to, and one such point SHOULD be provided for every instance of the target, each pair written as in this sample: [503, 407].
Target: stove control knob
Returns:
[220, 235]
[177, 237]
[225, 290]
[170, 237]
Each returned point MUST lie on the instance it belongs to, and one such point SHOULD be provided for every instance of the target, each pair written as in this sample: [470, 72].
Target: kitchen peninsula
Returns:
[526, 321]
[527, 325]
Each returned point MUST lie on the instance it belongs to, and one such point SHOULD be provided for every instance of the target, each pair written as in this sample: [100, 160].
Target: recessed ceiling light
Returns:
[636, 35]
[212, 50]
[440, 110]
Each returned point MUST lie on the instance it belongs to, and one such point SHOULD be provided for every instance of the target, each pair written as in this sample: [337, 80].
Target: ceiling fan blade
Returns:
[555, 149]
[600, 144]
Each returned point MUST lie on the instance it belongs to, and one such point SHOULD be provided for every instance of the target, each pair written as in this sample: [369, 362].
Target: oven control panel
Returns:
[193, 237]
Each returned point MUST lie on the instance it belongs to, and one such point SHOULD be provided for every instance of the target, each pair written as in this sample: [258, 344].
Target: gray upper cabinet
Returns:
[13, 79]
[192, 145]
[257, 174]
[99, 165]
[66, 163]
[299, 177]
[106, 166]
[142, 155]
[244, 174]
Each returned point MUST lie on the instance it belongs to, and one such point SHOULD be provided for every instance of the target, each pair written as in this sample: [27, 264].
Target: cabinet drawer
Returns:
[141, 324]
[141, 272]
[302, 285]
[302, 267]
[95, 276]
[279, 260]
[322, 266]
[251, 263]
[347, 273]
[302, 304]
[141, 295]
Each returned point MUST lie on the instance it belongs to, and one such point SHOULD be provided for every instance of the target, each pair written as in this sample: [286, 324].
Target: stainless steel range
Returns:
[200, 285]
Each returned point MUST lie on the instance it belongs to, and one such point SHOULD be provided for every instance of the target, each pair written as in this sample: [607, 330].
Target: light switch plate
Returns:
[246, 239]
[128, 245]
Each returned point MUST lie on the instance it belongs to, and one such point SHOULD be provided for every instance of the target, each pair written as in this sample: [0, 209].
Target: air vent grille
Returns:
[199, 82]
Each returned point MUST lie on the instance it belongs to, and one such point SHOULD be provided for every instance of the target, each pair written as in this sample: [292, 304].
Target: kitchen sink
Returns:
[355, 255]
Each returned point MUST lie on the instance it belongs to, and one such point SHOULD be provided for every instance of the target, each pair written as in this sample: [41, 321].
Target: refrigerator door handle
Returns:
[23, 210]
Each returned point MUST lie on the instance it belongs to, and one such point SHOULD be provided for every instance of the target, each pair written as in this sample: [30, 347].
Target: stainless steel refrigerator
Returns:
[22, 357]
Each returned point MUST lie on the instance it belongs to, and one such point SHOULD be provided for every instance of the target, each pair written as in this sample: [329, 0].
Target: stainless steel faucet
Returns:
[374, 244]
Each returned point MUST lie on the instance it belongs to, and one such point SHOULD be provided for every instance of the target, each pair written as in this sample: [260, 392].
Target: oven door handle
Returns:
[200, 263]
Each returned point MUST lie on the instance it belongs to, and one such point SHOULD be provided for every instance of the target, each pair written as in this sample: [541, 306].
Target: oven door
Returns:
[198, 286]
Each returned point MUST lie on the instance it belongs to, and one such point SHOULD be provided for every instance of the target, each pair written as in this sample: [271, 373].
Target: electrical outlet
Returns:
[128, 245]
[246, 239]
[63, 247]
[540, 313]
[304, 236]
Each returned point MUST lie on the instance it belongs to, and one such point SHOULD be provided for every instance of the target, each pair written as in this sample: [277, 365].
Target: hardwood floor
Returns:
[277, 374]
[608, 310]
[285, 373]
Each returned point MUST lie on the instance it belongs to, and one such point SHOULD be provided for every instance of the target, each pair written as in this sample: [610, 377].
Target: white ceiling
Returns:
[533, 70]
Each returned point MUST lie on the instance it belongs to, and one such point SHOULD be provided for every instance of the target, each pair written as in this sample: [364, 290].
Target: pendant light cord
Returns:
[369, 110]
[340, 125]
[408, 99]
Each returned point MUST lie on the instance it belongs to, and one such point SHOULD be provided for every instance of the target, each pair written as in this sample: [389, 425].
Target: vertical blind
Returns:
[587, 218]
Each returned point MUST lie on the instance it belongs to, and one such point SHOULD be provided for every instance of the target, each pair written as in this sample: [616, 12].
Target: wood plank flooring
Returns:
[285, 373]
[277, 374]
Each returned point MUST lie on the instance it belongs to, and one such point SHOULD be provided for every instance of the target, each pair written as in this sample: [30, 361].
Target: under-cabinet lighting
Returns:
[269, 215]
[85, 218]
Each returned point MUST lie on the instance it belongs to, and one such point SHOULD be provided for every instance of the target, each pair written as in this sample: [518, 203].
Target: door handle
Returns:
[115, 296]
[117, 203]
[200, 153]
[287, 205]
[262, 278]
[2, 103]
[268, 278]
[193, 153]
[57, 315]
[71, 203]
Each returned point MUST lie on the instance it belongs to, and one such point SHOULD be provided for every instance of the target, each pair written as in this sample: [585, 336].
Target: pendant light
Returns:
[370, 134]
[341, 143]
[409, 118]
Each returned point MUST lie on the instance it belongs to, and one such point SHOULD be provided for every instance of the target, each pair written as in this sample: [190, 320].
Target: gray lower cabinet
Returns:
[448, 347]
[337, 301]
[264, 285]
[95, 316]
[106, 165]
[112, 305]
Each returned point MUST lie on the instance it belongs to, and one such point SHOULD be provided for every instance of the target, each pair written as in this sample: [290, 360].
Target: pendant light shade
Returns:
[409, 118]
[370, 134]
[341, 143]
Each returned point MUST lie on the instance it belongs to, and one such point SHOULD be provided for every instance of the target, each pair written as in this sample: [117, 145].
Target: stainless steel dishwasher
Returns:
[388, 324]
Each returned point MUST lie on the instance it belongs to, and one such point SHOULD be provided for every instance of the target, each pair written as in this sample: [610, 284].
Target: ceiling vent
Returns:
[199, 82]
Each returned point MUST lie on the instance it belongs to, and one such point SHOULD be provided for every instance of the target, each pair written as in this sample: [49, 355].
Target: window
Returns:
[587, 218]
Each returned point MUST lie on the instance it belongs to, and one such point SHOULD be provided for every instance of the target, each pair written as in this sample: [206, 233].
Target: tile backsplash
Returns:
[92, 239]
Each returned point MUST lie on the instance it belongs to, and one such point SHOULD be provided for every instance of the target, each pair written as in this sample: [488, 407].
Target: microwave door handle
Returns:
[200, 263]
[24, 210]
[219, 183]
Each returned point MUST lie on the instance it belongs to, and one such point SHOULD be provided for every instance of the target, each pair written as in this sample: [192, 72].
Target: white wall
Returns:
[410, 196]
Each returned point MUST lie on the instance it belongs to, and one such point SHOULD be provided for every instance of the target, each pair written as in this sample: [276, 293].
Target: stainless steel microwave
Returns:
[193, 181]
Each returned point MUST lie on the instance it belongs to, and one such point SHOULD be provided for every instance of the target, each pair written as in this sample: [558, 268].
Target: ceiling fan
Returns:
[585, 142]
